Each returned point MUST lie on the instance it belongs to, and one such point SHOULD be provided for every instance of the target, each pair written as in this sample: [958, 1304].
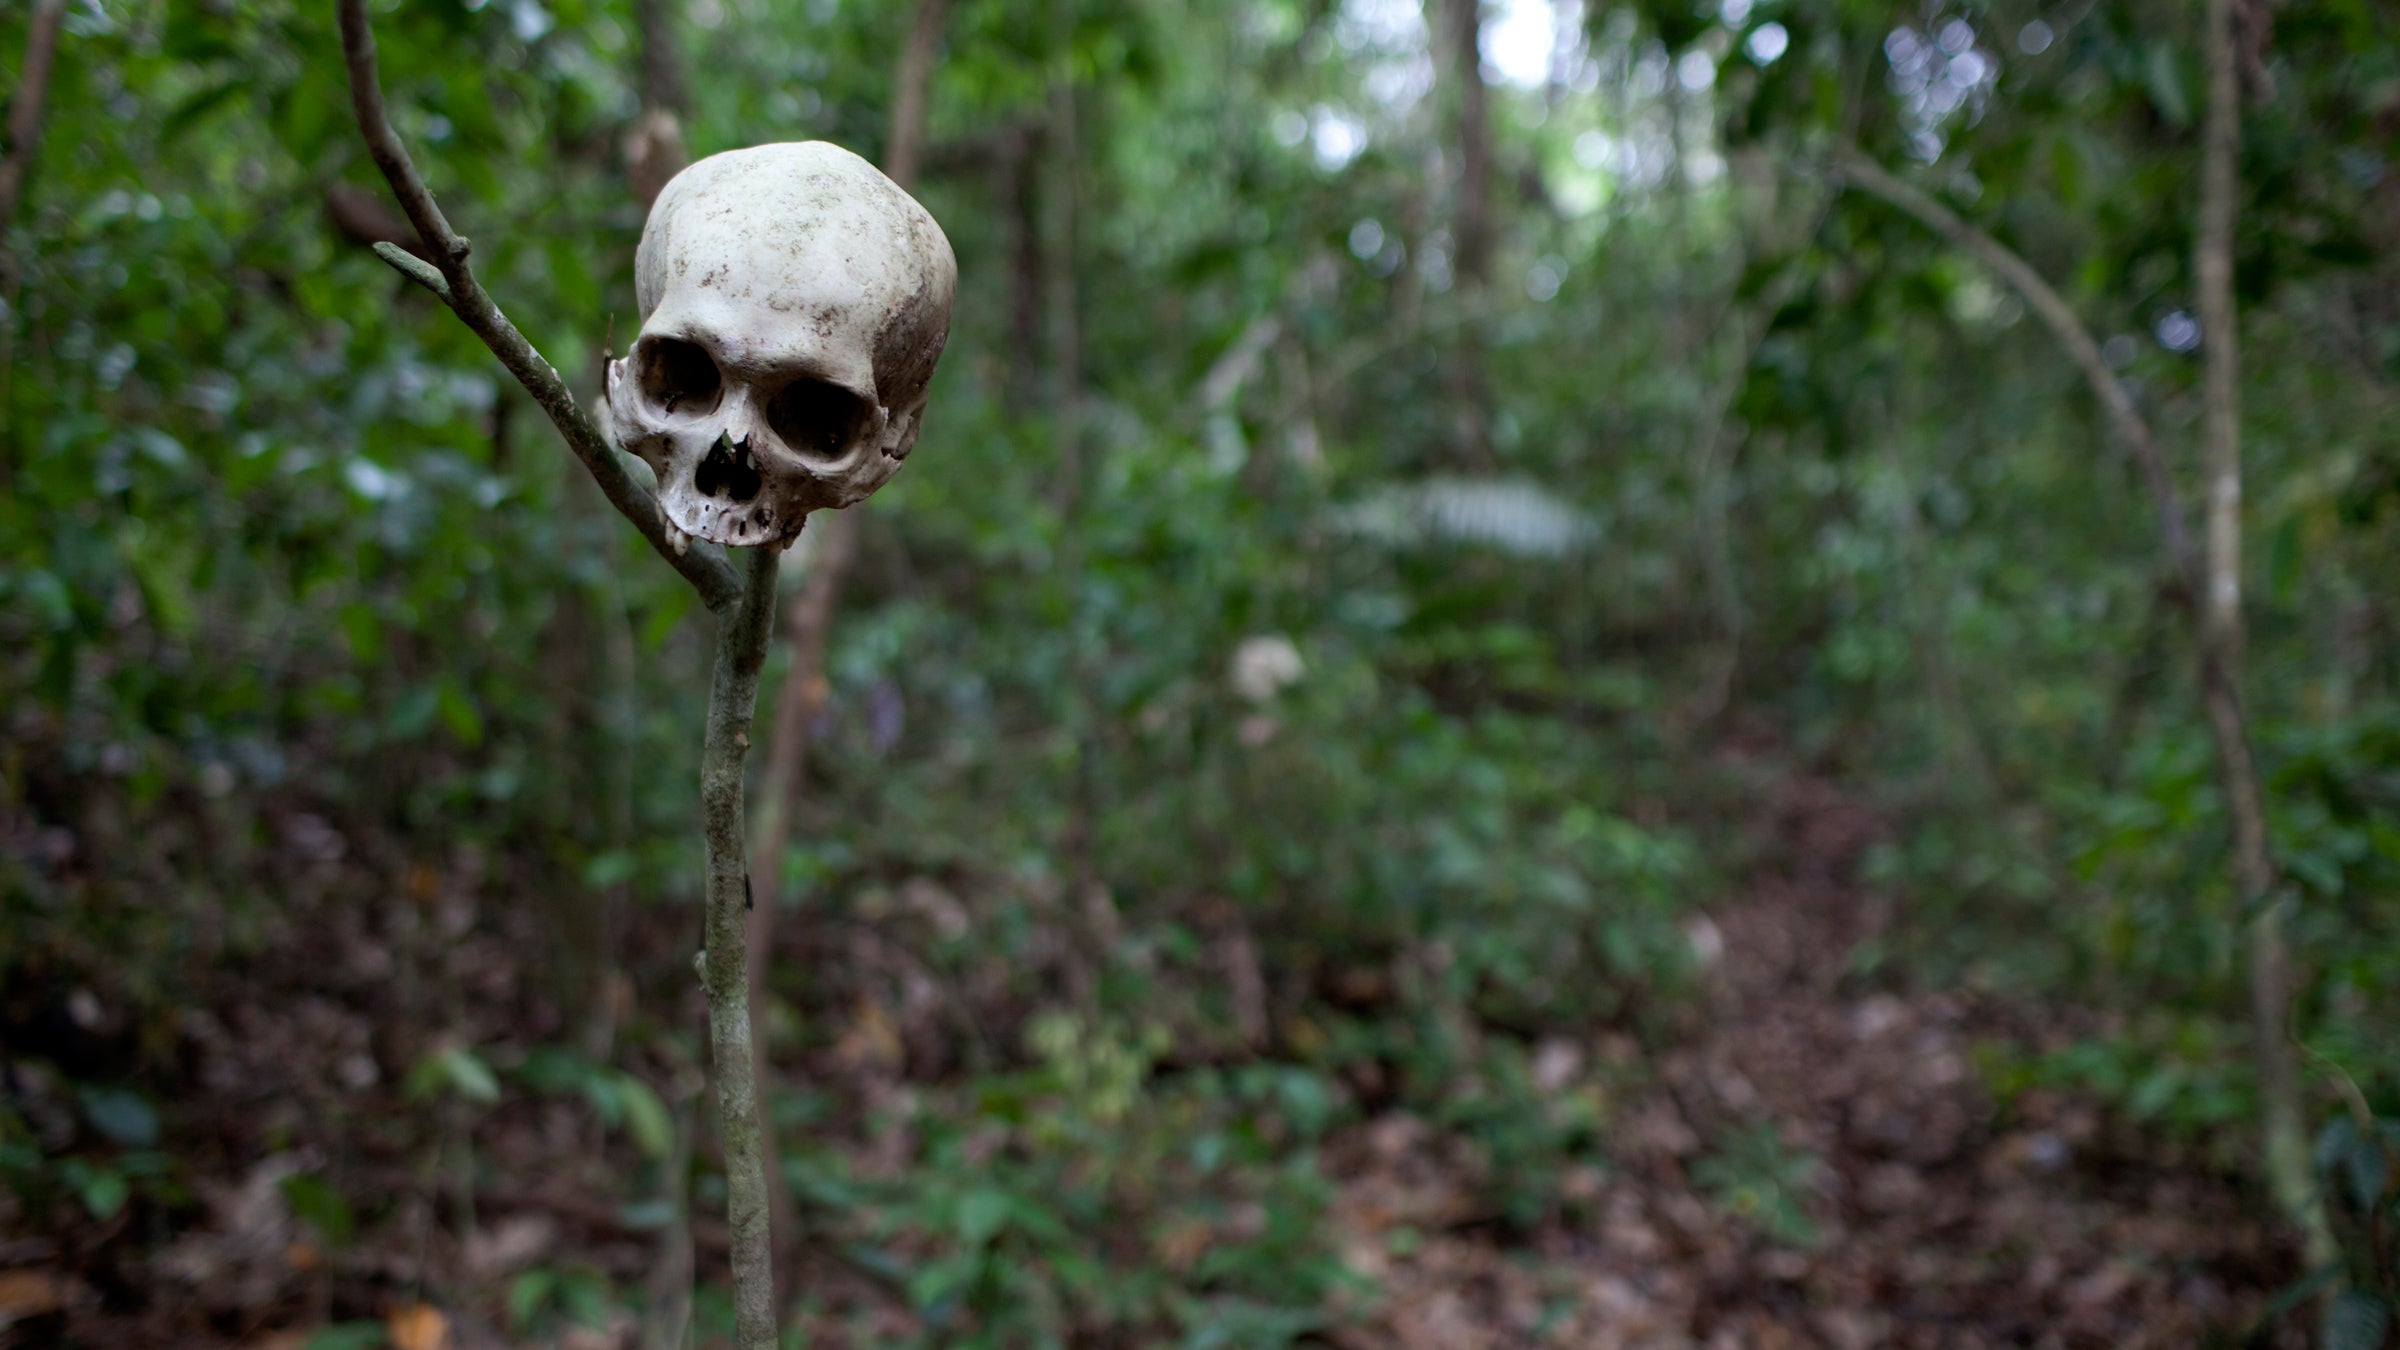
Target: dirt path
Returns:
[1816, 1164]
[1808, 1161]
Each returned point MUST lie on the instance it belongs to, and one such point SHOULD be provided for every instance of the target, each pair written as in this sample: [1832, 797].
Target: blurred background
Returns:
[1516, 697]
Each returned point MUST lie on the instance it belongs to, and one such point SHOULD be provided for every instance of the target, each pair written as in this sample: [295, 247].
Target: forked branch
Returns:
[744, 608]
[703, 565]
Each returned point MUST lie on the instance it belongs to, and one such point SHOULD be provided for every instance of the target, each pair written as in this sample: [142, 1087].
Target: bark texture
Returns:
[732, 696]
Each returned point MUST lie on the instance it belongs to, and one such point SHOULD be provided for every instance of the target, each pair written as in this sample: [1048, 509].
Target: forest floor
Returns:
[1805, 1159]
[1916, 1212]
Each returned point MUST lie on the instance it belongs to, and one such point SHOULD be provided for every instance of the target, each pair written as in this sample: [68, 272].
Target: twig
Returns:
[703, 565]
[732, 697]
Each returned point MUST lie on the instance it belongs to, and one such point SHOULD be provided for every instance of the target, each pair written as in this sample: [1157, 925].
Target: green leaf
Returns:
[456, 1069]
[413, 713]
[528, 1294]
[322, 1207]
[123, 1117]
[2357, 1321]
[363, 628]
[608, 869]
[2162, 75]
[2286, 560]
[348, 1336]
[646, 1117]
[981, 1215]
[934, 1284]
[50, 597]
[460, 714]
[645, 1216]
[188, 114]
[163, 576]
[583, 1296]
[104, 1192]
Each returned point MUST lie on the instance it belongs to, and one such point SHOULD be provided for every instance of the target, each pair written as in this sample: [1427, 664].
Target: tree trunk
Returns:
[1458, 30]
[2257, 881]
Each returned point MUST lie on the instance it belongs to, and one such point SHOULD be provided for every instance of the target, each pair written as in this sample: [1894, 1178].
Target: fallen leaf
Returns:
[418, 1326]
[27, 1293]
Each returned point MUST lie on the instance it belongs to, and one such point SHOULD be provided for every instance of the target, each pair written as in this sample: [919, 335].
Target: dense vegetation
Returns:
[1404, 551]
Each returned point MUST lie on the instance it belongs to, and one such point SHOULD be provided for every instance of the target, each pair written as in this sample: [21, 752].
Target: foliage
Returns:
[1755, 1176]
[329, 689]
[2358, 1161]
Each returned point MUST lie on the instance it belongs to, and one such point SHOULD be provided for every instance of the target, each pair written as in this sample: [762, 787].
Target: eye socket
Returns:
[678, 376]
[817, 420]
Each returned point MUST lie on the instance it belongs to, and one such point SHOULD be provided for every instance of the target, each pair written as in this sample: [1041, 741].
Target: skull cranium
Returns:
[794, 302]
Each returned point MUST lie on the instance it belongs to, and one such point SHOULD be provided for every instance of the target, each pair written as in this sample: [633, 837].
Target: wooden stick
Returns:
[745, 615]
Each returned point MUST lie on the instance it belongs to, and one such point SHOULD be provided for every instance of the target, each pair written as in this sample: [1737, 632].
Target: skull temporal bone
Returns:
[794, 303]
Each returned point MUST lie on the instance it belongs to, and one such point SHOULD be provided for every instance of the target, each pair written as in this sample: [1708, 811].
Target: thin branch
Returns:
[416, 269]
[25, 111]
[732, 698]
[2068, 328]
[703, 565]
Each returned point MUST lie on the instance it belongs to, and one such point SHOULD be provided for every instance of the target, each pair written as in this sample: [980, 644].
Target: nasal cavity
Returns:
[729, 471]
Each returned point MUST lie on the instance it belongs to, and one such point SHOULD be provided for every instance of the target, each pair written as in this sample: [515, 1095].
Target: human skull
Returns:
[794, 301]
